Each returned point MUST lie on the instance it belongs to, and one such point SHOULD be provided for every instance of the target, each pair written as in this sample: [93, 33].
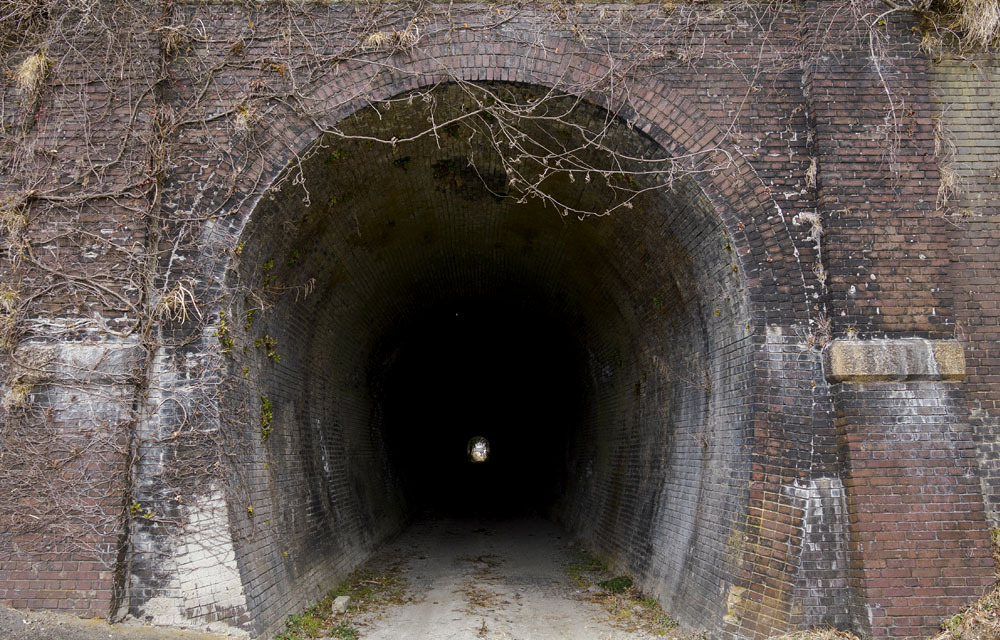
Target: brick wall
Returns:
[965, 98]
[713, 459]
[918, 528]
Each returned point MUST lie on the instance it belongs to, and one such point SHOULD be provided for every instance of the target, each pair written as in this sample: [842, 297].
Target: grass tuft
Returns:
[10, 301]
[979, 20]
[369, 591]
[29, 74]
[971, 24]
[619, 584]
[817, 634]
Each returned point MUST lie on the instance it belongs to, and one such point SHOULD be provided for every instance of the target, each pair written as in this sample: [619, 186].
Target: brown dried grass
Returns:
[30, 74]
[978, 621]
[979, 20]
[817, 634]
[967, 24]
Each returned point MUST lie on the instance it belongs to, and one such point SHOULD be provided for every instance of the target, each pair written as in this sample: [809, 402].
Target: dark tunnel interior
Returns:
[480, 368]
[395, 301]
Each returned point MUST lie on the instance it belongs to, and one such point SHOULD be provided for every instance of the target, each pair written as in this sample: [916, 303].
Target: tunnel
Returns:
[390, 303]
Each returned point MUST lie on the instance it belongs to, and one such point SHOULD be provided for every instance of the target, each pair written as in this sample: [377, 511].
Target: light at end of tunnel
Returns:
[479, 449]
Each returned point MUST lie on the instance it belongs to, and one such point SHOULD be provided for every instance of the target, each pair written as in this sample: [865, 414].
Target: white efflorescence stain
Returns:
[203, 573]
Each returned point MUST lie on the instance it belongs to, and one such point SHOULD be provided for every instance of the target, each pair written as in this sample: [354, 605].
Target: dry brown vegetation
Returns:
[817, 634]
[978, 621]
[976, 23]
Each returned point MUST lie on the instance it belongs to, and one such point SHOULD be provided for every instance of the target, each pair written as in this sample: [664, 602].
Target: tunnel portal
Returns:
[394, 301]
[713, 311]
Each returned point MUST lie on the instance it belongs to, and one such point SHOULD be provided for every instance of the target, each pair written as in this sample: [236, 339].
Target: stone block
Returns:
[903, 359]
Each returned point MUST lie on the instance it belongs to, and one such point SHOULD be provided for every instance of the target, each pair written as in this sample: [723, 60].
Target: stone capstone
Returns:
[903, 359]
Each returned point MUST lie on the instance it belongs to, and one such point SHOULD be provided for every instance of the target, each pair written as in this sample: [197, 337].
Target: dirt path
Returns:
[496, 580]
[42, 625]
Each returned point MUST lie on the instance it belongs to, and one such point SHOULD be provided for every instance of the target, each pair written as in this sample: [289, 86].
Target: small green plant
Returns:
[270, 345]
[368, 591]
[266, 270]
[266, 417]
[628, 606]
[335, 155]
[307, 624]
[251, 314]
[293, 258]
[224, 334]
[619, 584]
[137, 510]
[345, 631]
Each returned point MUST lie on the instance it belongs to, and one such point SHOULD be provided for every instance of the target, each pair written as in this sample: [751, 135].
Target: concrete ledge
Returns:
[893, 360]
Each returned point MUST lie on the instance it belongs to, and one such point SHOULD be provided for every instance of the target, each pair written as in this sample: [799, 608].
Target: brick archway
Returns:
[739, 204]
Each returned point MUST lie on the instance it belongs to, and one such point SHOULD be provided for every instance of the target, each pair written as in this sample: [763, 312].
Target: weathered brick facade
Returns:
[715, 455]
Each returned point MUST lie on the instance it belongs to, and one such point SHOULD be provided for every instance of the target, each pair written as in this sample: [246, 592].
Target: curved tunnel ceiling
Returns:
[606, 358]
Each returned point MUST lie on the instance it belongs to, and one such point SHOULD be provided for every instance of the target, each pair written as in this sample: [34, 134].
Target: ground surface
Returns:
[38, 625]
[461, 580]
[499, 580]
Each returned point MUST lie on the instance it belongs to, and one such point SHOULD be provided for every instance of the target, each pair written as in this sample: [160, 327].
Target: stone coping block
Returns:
[901, 359]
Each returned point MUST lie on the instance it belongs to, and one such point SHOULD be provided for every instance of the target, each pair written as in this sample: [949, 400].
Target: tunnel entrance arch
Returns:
[607, 359]
[635, 338]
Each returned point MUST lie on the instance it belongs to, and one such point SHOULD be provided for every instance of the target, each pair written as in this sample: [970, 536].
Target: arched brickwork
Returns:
[778, 506]
[757, 234]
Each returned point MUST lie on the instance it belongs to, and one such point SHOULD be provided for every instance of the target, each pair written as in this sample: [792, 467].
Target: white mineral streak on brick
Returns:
[825, 544]
[204, 577]
[825, 506]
